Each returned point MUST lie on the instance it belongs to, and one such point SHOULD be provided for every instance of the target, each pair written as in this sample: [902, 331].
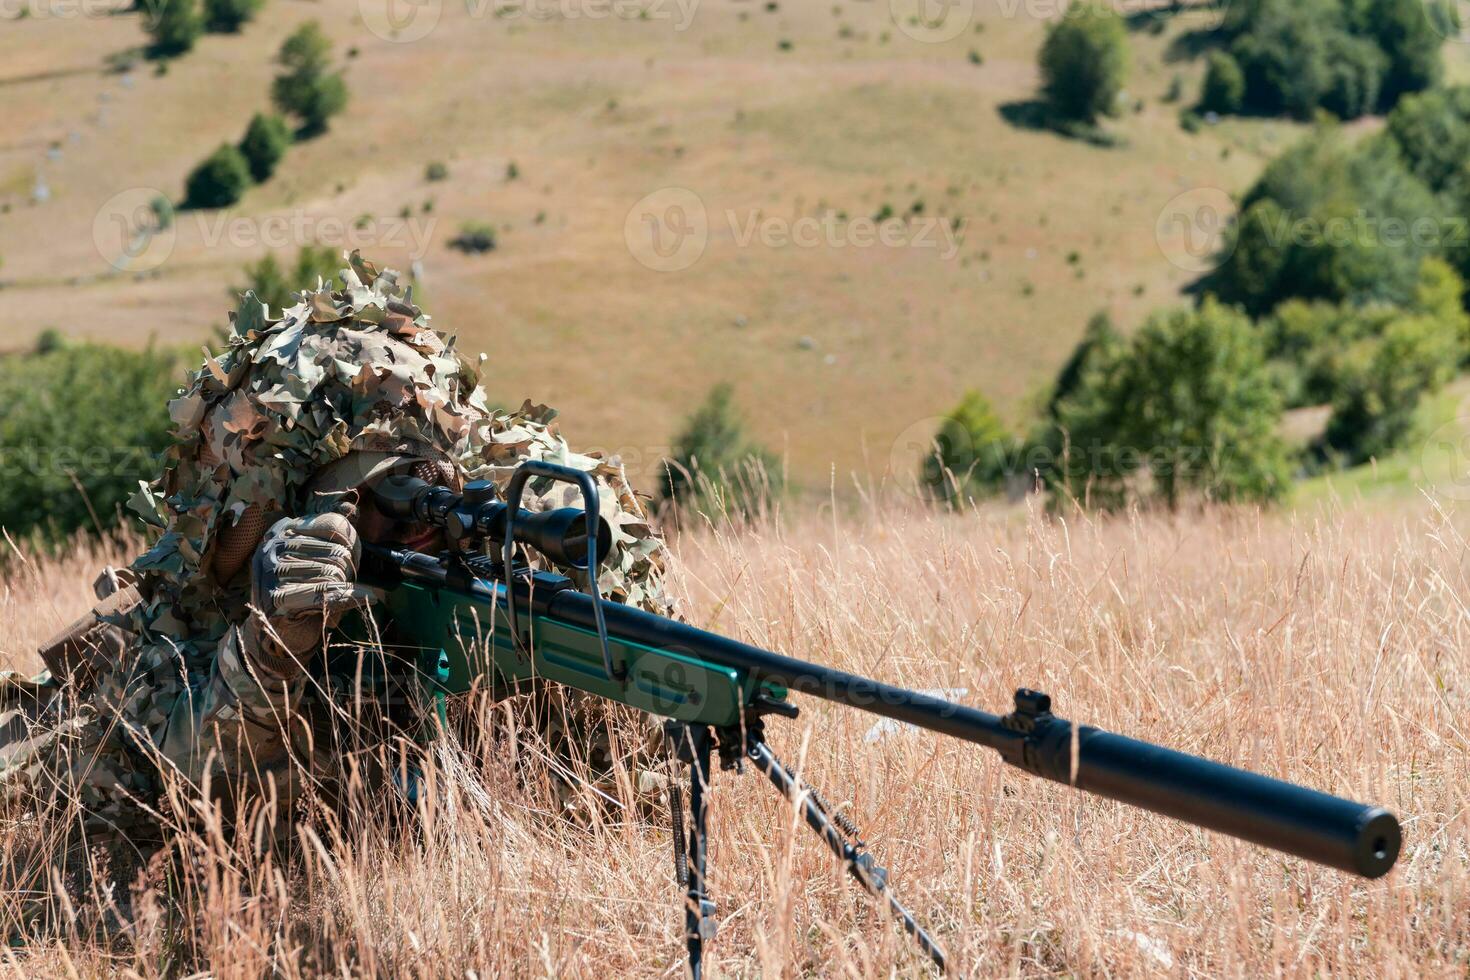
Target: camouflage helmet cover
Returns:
[351, 370]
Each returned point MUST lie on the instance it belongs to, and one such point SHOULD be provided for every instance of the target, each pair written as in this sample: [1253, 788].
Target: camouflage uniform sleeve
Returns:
[235, 723]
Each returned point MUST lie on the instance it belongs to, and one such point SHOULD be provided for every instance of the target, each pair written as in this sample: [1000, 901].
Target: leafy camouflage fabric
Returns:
[350, 369]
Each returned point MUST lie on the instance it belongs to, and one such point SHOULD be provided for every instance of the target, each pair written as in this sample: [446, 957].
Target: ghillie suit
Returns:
[175, 678]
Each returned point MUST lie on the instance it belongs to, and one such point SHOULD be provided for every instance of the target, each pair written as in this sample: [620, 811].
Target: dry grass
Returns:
[1330, 650]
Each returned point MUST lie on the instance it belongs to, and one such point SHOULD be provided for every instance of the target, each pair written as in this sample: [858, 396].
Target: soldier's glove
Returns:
[303, 581]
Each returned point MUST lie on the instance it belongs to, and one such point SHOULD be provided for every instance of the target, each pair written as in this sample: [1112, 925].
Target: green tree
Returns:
[83, 423]
[1084, 62]
[1384, 380]
[1187, 408]
[219, 181]
[308, 89]
[229, 16]
[173, 26]
[1432, 131]
[1223, 89]
[1408, 32]
[1329, 220]
[1100, 340]
[275, 286]
[715, 467]
[971, 454]
[265, 142]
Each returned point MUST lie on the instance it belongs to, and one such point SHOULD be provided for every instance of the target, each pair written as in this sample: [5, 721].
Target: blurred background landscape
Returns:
[878, 223]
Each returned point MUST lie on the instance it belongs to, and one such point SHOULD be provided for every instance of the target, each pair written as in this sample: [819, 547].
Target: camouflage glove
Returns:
[303, 581]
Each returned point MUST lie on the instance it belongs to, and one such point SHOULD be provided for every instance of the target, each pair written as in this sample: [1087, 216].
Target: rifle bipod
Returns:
[692, 745]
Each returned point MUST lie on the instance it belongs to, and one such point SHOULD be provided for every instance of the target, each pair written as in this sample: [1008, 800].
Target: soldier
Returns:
[239, 656]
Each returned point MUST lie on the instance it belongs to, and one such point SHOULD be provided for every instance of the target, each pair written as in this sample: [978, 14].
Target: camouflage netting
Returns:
[345, 370]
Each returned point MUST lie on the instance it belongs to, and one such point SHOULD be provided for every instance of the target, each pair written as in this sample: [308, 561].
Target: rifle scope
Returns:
[476, 514]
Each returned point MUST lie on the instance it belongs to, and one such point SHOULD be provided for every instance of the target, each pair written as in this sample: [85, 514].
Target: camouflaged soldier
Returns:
[222, 657]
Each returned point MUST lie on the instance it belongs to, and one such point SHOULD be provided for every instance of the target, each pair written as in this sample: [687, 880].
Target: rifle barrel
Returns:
[1343, 834]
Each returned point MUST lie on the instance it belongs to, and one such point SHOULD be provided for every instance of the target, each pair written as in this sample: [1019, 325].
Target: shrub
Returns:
[474, 238]
[219, 181]
[1223, 88]
[1084, 62]
[1187, 406]
[436, 170]
[265, 142]
[715, 468]
[83, 424]
[274, 287]
[971, 455]
[308, 89]
[173, 26]
[228, 16]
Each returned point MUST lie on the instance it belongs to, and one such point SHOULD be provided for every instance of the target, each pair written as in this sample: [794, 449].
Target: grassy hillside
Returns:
[836, 351]
[1328, 648]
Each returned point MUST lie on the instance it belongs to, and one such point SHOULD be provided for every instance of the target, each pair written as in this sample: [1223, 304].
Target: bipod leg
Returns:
[842, 837]
[692, 744]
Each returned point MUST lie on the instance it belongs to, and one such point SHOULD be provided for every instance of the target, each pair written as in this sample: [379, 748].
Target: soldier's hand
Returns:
[303, 581]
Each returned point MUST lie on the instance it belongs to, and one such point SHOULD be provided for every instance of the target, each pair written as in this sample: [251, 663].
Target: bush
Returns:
[228, 16]
[1084, 62]
[219, 181]
[275, 287]
[308, 89]
[83, 424]
[266, 141]
[1223, 89]
[1187, 406]
[173, 26]
[474, 238]
[436, 170]
[715, 468]
[971, 455]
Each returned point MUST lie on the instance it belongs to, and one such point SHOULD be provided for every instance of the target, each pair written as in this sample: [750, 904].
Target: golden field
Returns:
[1327, 648]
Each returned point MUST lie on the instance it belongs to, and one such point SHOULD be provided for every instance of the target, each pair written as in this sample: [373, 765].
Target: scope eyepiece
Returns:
[560, 535]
